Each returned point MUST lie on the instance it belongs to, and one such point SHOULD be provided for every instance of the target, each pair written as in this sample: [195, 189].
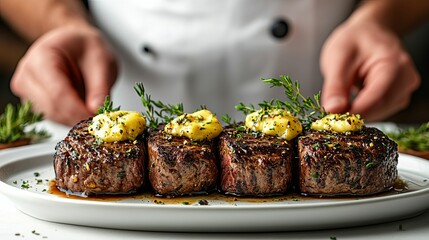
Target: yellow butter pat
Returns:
[339, 123]
[117, 126]
[197, 126]
[275, 122]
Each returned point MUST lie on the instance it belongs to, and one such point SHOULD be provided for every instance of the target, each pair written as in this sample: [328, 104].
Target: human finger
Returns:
[45, 80]
[99, 71]
[338, 65]
[387, 89]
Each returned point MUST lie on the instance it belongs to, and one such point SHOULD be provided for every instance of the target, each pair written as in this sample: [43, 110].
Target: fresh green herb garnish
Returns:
[315, 175]
[107, 107]
[156, 110]
[14, 123]
[412, 138]
[265, 105]
[369, 163]
[25, 185]
[306, 109]
[227, 119]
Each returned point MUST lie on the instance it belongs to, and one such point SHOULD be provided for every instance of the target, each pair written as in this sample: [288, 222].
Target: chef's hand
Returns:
[366, 71]
[66, 73]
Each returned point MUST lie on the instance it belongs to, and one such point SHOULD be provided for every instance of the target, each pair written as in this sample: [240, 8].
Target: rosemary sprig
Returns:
[156, 110]
[107, 106]
[14, 123]
[412, 138]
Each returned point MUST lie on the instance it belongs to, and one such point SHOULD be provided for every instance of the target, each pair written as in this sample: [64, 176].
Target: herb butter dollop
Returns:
[275, 122]
[197, 126]
[339, 123]
[117, 126]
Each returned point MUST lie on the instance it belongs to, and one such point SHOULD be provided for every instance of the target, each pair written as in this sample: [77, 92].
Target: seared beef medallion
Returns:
[87, 166]
[336, 164]
[179, 166]
[254, 164]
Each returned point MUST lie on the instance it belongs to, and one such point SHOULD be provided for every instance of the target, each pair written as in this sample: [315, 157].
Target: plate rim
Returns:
[13, 192]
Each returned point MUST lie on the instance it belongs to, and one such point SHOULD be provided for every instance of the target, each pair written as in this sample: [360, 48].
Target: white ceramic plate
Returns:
[25, 172]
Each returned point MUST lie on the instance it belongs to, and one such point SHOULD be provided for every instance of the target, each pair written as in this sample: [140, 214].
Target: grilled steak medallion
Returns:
[254, 165]
[85, 165]
[179, 166]
[359, 163]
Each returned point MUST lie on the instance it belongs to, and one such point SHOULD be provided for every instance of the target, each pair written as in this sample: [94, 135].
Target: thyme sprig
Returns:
[107, 106]
[307, 109]
[15, 122]
[156, 110]
[412, 138]
[227, 119]
[265, 105]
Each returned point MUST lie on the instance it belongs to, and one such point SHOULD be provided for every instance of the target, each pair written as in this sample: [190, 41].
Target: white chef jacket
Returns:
[215, 52]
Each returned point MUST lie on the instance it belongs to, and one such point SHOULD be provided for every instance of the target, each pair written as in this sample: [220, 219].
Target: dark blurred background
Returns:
[12, 48]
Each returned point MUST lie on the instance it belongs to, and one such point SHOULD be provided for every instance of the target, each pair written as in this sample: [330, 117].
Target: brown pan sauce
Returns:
[399, 186]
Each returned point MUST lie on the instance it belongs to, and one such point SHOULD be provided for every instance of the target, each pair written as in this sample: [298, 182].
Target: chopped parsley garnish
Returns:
[369, 164]
[315, 175]
[25, 185]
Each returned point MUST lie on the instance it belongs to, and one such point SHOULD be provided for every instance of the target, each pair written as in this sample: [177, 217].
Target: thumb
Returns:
[99, 75]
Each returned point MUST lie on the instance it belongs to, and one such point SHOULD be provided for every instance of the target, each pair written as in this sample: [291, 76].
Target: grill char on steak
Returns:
[89, 167]
[254, 165]
[335, 164]
[179, 166]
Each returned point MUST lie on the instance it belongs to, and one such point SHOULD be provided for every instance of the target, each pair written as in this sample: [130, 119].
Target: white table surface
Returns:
[17, 225]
